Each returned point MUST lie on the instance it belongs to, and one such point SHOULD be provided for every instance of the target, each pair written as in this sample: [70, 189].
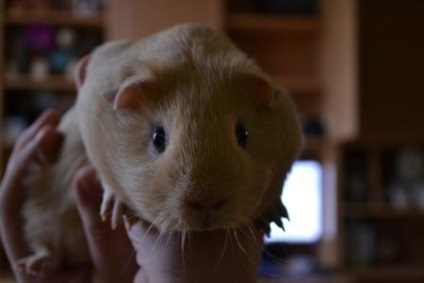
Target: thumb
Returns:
[110, 250]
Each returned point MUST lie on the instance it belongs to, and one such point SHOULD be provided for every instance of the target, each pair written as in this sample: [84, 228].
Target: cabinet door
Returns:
[391, 69]
[128, 19]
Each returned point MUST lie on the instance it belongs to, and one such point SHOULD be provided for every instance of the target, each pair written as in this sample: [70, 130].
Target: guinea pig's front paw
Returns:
[37, 264]
[274, 214]
[112, 206]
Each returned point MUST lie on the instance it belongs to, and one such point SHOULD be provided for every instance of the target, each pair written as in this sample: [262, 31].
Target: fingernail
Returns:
[40, 134]
[49, 142]
[128, 222]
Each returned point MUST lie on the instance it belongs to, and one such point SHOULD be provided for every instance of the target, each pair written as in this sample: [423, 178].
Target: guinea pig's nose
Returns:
[202, 206]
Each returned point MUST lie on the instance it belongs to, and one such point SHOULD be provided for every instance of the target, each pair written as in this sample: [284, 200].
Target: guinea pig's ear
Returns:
[261, 89]
[129, 93]
[81, 71]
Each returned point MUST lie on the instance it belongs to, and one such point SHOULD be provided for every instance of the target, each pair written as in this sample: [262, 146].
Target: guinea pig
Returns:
[184, 130]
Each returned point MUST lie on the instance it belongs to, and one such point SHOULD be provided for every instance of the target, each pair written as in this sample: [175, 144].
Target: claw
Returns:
[284, 212]
[106, 207]
[118, 211]
[112, 206]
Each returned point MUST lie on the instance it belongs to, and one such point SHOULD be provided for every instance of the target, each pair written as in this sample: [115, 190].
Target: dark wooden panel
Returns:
[391, 68]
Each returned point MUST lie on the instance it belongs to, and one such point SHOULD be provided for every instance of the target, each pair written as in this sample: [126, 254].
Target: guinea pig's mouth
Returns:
[206, 224]
[209, 219]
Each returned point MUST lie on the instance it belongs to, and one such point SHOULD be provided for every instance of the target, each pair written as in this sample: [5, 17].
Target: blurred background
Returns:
[355, 71]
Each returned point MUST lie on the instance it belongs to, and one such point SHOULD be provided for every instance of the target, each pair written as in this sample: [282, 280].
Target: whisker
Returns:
[130, 215]
[184, 235]
[273, 257]
[170, 236]
[251, 260]
[250, 227]
[183, 239]
[274, 260]
[189, 239]
[238, 242]
[148, 229]
[161, 235]
[221, 257]
[230, 236]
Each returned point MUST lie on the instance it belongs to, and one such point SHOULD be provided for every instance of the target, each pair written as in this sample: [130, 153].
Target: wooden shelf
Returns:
[54, 82]
[60, 18]
[301, 85]
[341, 278]
[258, 22]
[396, 273]
[377, 210]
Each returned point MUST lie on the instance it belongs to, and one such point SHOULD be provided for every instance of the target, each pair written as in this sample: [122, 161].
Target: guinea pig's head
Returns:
[201, 154]
[199, 148]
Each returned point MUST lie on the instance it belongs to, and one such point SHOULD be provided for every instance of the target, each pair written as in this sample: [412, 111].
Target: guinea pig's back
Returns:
[51, 220]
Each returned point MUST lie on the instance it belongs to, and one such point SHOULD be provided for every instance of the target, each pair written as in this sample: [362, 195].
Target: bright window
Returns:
[302, 196]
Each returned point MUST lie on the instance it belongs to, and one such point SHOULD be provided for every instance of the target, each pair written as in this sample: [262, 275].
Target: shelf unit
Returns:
[382, 237]
[26, 83]
[240, 21]
[293, 39]
[378, 211]
[19, 86]
[58, 18]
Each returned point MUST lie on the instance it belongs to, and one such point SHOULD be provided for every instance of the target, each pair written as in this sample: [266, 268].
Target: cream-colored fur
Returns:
[197, 85]
[52, 223]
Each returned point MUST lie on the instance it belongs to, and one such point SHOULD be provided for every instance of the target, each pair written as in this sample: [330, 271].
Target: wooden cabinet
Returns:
[391, 59]
[381, 197]
[382, 210]
[128, 19]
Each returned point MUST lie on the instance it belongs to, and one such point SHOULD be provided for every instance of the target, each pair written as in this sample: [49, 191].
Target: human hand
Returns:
[211, 256]
[231, 255]
[110, 251]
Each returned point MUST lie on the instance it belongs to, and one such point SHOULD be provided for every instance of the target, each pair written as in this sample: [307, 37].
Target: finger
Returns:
[49, 117]
[45, 144]
[12, 196]
[111, 251]
[50, 145]
[43, 147]
[140, 231]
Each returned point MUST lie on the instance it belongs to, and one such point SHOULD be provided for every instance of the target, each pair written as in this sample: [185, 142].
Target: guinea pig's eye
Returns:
[159, 139]
[241, 135]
